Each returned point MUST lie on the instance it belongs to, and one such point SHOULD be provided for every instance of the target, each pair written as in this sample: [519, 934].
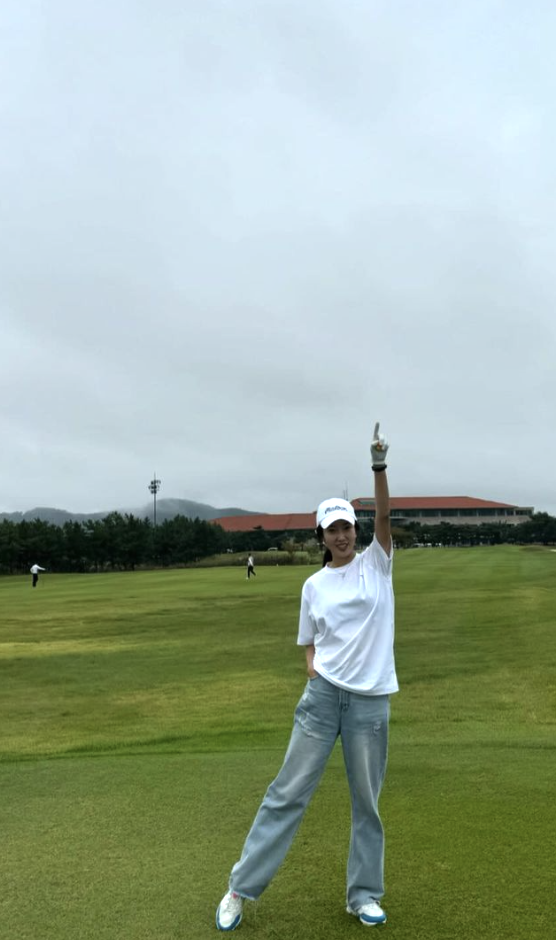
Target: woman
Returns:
[347, 627]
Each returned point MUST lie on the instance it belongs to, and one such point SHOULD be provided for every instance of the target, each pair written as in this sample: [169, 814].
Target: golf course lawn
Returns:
[143, 715]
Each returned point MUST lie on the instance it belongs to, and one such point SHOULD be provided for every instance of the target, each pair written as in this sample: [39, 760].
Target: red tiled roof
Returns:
[283, 522]
[434, 502]
[270, 522]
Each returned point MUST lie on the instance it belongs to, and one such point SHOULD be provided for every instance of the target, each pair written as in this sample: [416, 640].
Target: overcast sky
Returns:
[235, 233]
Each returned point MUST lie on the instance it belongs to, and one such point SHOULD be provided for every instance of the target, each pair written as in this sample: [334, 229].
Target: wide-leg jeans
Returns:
[323, 713]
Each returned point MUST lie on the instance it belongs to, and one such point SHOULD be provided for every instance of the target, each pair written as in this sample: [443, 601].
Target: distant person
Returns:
[346, 625]
[34, 569]
[251, 567]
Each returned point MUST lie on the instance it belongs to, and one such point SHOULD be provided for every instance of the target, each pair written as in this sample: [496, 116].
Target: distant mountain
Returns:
[168, 508]
[165, 509]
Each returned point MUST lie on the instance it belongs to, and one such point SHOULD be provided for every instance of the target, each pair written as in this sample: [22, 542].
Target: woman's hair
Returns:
[327, 553]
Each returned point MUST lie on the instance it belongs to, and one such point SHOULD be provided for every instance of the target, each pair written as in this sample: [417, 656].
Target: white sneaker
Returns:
[230, 911]
[369, 914]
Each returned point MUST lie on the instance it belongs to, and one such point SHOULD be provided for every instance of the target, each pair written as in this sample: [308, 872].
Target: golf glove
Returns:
[379, 449]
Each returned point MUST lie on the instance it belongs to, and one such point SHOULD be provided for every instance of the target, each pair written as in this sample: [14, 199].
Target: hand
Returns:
[379, 448]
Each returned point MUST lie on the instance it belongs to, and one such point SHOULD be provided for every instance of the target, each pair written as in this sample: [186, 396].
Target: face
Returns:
[340, 539]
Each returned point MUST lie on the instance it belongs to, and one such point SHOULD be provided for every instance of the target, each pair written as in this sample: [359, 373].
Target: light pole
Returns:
[154, 487]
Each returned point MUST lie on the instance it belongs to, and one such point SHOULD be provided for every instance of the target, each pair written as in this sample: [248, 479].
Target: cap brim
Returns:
[335, 516]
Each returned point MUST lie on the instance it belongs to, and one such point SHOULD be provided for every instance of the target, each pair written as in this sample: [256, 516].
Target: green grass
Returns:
[144, 714]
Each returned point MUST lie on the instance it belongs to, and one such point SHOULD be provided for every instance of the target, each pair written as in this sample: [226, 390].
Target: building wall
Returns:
[455, 516]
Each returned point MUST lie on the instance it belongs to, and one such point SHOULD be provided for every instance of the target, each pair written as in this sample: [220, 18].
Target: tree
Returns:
[540, 528]
[9, 547]
[135, 542]
[75, 547]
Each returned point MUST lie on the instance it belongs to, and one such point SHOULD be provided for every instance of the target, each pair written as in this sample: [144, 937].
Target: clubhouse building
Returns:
[425, 510]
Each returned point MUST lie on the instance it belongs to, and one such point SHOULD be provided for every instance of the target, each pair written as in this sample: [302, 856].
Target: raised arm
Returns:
[379, 450]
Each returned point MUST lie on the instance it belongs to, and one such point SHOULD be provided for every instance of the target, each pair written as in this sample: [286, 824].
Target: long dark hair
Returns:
[327, 556]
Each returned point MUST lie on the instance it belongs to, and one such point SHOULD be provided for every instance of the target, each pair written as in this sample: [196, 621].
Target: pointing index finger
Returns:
[375, 432]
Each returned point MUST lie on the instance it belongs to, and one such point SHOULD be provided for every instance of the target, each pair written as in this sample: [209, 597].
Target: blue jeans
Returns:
[324, 712]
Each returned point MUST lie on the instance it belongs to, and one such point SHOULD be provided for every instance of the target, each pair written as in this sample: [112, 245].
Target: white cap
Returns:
[330, 510]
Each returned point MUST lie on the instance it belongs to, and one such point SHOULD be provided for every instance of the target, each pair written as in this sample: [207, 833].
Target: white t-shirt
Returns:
[348, 613]
[34, 569]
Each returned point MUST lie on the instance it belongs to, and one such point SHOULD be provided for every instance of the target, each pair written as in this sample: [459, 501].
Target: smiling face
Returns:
[340, 539]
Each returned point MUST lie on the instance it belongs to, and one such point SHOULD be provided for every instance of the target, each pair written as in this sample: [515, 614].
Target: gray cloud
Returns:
[234, 235]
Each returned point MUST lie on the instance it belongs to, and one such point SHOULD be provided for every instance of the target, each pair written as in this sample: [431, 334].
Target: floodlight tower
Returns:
[154, 487]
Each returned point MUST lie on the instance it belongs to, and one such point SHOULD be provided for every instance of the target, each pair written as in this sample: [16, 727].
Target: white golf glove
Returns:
[379, 449]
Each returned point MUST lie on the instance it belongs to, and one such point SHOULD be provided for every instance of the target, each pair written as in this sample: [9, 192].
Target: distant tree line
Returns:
[125, 542]
[118, 542]
[540, 530]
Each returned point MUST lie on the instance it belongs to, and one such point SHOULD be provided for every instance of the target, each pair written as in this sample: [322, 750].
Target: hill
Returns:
[165, 509]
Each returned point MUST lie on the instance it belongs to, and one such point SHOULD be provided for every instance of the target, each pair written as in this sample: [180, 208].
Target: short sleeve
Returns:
[377, 558]
[306, 634]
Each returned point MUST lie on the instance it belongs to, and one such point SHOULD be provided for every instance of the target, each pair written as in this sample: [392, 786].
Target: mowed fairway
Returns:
[144, 714]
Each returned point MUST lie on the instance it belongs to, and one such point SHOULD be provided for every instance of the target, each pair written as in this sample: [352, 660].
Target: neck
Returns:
[341, 563]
